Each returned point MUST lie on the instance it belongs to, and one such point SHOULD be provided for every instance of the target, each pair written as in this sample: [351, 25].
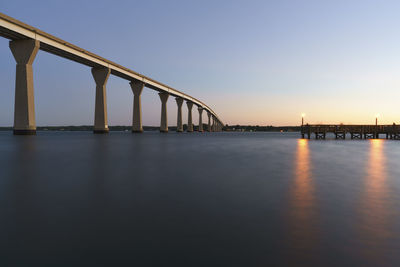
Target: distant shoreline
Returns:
[228, 128]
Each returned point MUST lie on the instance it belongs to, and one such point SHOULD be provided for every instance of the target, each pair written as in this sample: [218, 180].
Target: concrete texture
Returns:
[179, 126]
[164, 120]
[24, 52]
[137, 88]
[100, 76]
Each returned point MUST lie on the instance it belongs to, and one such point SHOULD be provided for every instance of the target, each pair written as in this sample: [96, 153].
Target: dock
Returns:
[341, 131]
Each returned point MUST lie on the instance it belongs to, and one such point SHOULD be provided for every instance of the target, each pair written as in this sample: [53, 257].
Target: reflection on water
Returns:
[239, 199]
[375, 207]
[303, 192]
[302, 207]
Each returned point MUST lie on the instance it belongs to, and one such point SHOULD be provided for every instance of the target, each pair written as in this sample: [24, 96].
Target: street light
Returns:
[302, 118]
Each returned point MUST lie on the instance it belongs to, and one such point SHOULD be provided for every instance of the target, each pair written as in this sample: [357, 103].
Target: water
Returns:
[212, 199]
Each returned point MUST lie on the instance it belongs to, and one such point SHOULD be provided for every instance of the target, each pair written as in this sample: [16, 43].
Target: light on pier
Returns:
[376, 119]
[302, 118]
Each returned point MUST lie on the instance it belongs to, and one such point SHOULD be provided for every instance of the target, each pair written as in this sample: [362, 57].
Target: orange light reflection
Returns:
[375, 209]
[302, 219]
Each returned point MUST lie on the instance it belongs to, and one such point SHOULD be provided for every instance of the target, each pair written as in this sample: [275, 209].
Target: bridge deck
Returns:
[354, 131]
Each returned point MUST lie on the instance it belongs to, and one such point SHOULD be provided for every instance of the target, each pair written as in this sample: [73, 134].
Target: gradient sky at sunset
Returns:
[253, 62]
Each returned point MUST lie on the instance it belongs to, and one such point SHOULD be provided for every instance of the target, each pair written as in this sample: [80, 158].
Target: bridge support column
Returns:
[209, 121]
[24, 52]
[213, 124]
[200, 109]
[179, 126]
[137, 88]
[100, 76]
[164, 120]
[190, 123]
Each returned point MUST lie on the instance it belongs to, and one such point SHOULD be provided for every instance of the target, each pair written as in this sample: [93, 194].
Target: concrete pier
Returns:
[137, 88]
[164, 121]
[200, 119]
[190, 122]
[24, 52]
[213, 125]
[179, 126]
[100, 76]
[209, 122]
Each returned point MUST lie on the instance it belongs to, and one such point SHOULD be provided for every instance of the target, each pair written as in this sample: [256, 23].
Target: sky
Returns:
[253, 62]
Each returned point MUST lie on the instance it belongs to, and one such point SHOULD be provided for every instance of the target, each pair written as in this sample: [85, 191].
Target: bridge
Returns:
[25, 41]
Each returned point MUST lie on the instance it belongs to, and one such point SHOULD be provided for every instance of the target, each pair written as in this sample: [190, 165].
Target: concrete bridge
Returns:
[25, 41]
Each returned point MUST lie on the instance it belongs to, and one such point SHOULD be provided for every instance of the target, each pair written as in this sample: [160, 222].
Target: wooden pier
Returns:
[353, 131]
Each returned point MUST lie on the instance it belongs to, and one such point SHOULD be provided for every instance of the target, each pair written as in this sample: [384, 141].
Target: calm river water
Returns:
[212, 199]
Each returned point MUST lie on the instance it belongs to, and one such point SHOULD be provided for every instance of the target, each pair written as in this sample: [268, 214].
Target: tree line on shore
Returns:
[229, 128]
